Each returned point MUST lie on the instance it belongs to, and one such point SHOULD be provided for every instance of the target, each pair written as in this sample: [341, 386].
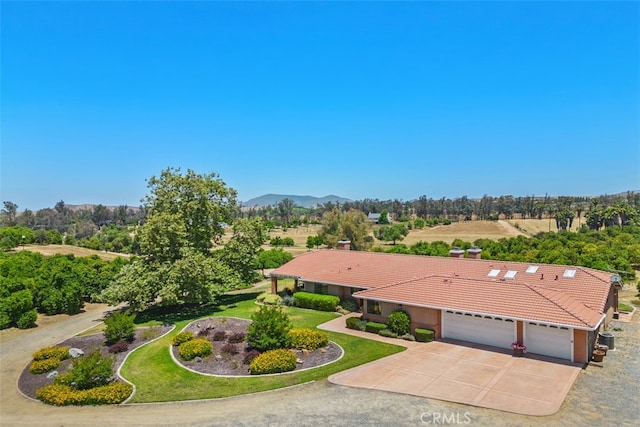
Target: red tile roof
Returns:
[545, 296]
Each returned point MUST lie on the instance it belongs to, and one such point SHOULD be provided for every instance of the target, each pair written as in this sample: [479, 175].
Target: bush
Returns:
[273, 258]
[399, 322]
[119, 347]
[62, 395]
[387, 333]
[198, 347]
[219, 336]
[119, 327]
[150, 332]
[350, 304]
[374, 327]
[89, 371]
[56, 352]
[288, 300]
[316, 301]
[308, 339]
[408, 337]
[203, 333]
[269, 299]
[250, 355]
[269, 329]
[27, 319]
[229, 349]
[356, 323]
[44, 365]
[237, 337]
[273, 361]
[424, 335]
[182, 337]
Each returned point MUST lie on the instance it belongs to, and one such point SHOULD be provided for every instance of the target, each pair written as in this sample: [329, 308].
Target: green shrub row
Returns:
[316, 301]
[182, 338]
[374, 327]
[44, 365]
[424, 335]
[273, 361]
[193, 348]
[62, 395]
[55, 352]
[308, 339]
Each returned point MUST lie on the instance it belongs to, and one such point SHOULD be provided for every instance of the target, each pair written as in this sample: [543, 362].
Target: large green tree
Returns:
[186, 214]
[391, 233]
[351, 225]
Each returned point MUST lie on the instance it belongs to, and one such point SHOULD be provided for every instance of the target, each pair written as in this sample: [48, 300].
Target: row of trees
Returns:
[610, 210]
[56, 284]
[614, 249]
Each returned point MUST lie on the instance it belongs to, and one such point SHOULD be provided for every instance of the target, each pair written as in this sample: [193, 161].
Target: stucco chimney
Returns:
[456, 252]
[474, 252]
[344, 245]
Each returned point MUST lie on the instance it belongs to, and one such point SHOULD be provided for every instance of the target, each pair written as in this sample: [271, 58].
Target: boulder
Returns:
[75, 352]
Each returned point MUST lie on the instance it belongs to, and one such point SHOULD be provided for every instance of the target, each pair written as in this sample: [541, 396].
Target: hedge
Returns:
[269, 299]
[182, 337]
[424, 335]
[44, 365]
[374, 327]
[198, 347]
[57, 352]
[316, 301]
[355, 323]
[388, 333]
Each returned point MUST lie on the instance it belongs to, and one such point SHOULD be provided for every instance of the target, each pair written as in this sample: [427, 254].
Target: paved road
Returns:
[601, 396]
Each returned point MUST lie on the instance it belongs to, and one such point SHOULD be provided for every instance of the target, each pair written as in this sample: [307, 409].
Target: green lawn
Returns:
[159, 379]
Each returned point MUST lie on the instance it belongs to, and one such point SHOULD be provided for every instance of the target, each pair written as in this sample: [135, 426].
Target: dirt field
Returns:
[74, 250]
[467, 231]
[535, 226]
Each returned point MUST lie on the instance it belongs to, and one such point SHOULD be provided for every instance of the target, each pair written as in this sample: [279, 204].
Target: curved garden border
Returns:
[181, 365]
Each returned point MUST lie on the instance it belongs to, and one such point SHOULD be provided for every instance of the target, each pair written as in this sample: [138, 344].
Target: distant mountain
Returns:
[305, 201]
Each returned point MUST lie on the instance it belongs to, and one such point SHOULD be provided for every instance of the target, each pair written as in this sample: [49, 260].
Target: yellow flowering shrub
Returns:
[182, 337]
[62, 395]
[191, 349]
[308, 339]
[44, 365]
[55, 352]
[273, 361]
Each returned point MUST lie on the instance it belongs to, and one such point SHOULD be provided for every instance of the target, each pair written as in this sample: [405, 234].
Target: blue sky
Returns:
[359, 99]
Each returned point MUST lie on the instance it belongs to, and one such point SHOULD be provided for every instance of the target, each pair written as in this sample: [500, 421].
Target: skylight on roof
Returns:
[493, 273]
[532, 269]
[570, 274]
[510, 274]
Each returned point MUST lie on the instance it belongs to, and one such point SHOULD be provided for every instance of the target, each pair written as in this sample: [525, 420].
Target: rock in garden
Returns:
[52, 374]
[197, 359]
[75, 352]
[218, 357]
[299, 361]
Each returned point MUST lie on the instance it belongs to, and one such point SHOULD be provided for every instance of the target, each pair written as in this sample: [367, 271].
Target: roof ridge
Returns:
[541, 290]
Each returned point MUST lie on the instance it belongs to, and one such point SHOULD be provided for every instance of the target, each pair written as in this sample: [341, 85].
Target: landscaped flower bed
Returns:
[232, 355]
[29, 383]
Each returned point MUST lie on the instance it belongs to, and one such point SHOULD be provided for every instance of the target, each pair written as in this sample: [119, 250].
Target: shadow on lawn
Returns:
[171, 315]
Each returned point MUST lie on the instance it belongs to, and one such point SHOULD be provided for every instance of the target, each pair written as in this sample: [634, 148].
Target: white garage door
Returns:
[488, 330]
[548, 340]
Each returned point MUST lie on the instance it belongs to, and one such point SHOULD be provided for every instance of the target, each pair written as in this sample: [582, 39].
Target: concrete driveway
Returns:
[464, 373]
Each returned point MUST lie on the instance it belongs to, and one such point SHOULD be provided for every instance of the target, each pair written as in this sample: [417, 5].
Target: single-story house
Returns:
[554, 310]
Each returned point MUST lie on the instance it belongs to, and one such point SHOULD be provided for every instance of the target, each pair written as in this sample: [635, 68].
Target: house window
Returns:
[319, 288]
[373, 307]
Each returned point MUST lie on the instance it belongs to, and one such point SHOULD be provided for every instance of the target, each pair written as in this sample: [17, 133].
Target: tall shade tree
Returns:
[351, 225]
[9, 212]
[194, 207]
[185, 216]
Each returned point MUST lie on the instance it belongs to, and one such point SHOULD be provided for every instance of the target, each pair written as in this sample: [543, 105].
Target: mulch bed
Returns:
[29, 383]
[221, 363]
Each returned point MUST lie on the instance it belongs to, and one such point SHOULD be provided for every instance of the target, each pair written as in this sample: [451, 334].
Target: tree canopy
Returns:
[352, 225]
[186, 215]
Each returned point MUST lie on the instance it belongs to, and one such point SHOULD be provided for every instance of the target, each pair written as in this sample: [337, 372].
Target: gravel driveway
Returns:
[601, 396]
